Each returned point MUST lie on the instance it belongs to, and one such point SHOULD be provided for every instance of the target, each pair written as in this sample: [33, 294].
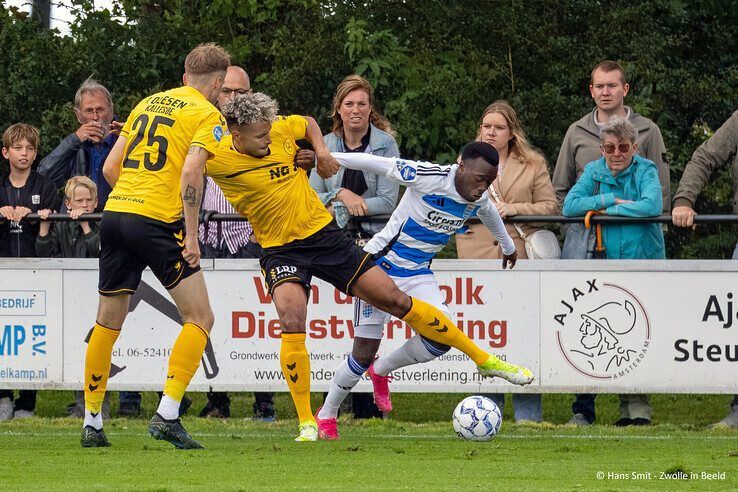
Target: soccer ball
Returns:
[477, 418]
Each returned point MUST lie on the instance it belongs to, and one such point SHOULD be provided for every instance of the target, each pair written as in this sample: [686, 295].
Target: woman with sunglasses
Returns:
[626, 184]
[621, 183]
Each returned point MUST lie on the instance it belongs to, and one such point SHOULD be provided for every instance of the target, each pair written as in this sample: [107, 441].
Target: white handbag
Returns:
[541, 245]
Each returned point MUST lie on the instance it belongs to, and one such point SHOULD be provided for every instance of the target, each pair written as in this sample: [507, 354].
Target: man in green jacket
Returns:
[718, 151]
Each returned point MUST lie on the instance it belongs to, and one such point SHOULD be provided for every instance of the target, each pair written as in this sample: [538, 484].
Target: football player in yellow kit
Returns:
[156, 169]
[256, 169]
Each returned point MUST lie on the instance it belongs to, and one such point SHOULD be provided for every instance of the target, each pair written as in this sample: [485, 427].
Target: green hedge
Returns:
[435, 65]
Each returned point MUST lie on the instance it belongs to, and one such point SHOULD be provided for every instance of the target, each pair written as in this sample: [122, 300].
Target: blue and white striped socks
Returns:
[345, 378]
[415, 351]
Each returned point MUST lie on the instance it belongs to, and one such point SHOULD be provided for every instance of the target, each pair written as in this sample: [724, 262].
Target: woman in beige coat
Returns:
[523, 186]
[523, 183]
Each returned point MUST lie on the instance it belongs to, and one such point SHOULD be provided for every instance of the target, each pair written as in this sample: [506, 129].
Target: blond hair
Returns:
[250, 108]
[21, 131]
[206, 59]
[82, 181]
[518, 144]
[351, 83]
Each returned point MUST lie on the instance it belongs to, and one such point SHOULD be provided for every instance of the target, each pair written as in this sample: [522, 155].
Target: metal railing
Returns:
[210, 216]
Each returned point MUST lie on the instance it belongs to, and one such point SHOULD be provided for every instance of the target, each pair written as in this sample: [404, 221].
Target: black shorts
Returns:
[330, 254]
[130, 242]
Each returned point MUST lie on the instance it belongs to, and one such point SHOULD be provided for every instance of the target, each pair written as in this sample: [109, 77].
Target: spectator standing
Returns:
[74, 239]
[626, 184]
[716, 153]
[358, 126]
[22, 192]
[581, 146]
[524, 188]
[83, 152]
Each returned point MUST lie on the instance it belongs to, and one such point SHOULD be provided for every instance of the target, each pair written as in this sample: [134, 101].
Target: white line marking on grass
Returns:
[448, 437]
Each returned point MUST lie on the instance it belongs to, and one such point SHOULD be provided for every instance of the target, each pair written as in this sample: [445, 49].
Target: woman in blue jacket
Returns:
[625, 184]
[358, 126]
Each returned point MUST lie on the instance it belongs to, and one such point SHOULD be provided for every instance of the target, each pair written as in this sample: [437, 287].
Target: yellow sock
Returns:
[295, 362]
[186, 354]
[97, 366]
[432, 323]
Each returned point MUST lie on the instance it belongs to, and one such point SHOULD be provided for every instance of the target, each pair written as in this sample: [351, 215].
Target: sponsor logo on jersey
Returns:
[279, 172]
[407, 172]
[218, 132]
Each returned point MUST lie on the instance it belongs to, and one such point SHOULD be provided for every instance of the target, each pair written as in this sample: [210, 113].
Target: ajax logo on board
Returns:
[603, 330]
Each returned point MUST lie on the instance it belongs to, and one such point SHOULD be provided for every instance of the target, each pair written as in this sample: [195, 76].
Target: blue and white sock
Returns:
[415, 351]
[345, 378]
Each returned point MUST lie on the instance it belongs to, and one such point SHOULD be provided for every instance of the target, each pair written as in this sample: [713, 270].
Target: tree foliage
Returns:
[435, 66]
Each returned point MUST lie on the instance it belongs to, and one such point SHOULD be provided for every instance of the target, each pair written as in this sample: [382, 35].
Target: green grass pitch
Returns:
[416, 449]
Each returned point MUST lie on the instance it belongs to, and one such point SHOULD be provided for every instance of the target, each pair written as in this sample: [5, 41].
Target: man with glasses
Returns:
[83, 152]
[581, 146]
[236, 83]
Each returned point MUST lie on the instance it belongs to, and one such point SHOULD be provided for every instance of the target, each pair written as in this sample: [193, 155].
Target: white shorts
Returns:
[369, 322]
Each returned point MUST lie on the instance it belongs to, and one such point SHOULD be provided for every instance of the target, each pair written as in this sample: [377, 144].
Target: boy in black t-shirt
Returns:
[22, 192]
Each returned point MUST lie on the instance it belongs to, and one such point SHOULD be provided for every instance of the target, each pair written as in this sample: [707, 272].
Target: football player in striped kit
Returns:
[437, 203]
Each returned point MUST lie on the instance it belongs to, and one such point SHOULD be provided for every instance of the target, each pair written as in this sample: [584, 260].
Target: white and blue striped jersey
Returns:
[429, 213]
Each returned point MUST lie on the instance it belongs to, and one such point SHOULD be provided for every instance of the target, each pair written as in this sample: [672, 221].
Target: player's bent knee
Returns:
[365, 349]
[292, 322]
[397, 303]
[204, 318]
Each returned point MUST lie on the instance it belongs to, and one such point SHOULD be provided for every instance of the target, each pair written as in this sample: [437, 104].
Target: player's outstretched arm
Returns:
[111, 168]
[326, 165]
[403, 171]
[191, 184]
[490, 217]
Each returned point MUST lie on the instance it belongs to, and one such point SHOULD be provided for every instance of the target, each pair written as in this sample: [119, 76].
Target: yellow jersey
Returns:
[271, 191]
[160, 131]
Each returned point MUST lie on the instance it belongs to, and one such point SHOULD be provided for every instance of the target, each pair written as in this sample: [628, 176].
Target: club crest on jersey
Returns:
[288, 147]
[218, 132]
[469, 211]
[407, 172]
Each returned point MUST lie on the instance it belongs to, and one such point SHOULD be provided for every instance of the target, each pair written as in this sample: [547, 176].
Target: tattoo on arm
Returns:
[194, 150]
[191, 197]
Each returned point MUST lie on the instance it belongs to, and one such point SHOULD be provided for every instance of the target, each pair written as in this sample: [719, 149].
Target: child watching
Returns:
[73, 238]
[22, 192]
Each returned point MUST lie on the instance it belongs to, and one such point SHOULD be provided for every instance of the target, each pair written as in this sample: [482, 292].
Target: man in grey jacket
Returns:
[581, 146]
[718, 151]
[83, 152]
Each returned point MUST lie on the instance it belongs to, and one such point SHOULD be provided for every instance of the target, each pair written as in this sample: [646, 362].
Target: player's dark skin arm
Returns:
[327, 165]
[305, 159]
